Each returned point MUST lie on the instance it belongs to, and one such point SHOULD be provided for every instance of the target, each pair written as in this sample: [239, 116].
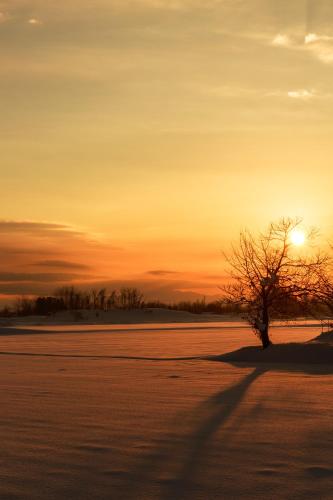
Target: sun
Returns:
[297, 237]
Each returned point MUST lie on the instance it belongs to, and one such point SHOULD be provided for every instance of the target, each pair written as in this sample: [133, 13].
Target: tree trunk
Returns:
[264, 337]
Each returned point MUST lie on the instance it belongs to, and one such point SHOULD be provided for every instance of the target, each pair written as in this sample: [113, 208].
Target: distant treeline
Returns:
[69, 298]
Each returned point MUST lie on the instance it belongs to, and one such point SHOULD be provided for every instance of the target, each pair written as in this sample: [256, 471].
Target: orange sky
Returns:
[138, 137]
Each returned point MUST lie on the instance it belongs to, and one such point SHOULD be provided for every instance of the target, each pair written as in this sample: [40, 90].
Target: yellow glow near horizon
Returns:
[136, 158]
[297, 237]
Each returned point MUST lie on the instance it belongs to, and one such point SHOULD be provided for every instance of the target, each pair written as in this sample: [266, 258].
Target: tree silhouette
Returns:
[130, 298]
[268, 273]
[324, 292]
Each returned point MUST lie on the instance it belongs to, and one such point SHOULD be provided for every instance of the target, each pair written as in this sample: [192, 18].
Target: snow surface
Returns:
[163, 413]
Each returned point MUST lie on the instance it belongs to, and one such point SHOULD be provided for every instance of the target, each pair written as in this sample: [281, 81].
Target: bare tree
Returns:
[23, 306]
[130, 298]
[102, 298]
[267, 272]
[324, 291]
[94, 298]
[112, 300]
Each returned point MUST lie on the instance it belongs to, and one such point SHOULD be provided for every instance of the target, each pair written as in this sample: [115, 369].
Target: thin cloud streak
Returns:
[39, 277]
[161, 272]
[38, 228]
[62, 264]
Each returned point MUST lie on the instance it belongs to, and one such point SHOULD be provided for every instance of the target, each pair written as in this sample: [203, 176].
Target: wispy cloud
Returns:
[33, 21]
[321, 46]
[38, 277]
[318, 45]
[61, 264]
[54, 248]
[313, 38]
[161, 272]
[281, 40]
[258, 93]
[303, 94]
[38, 228]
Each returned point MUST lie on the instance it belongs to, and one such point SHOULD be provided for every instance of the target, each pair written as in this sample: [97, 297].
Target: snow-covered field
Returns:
[142, 412]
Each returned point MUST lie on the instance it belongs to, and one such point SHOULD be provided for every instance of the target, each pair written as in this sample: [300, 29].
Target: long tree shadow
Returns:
[190, 451]
[213, 415]
[217, 410]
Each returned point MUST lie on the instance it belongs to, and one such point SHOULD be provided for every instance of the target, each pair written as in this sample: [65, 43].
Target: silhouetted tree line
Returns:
[198, 306]
[292, 308]
[69, 298]
[73, 299]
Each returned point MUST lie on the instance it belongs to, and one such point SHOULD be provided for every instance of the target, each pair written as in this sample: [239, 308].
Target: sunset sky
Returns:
[139, 136]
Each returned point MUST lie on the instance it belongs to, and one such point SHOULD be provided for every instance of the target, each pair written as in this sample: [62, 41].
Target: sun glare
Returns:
[297, 237]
